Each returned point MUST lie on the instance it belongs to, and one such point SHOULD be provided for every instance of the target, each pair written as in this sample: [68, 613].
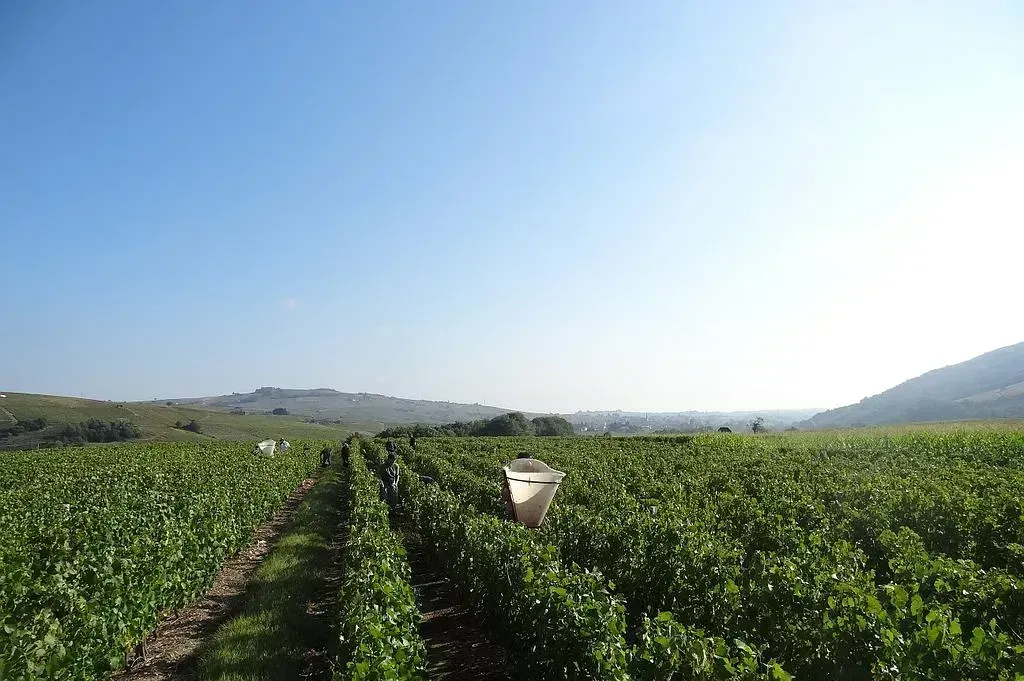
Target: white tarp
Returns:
[267, 447]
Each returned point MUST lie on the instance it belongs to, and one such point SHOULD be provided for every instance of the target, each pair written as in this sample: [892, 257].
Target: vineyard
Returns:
[807, 557]
[706, 557]
[97, 543]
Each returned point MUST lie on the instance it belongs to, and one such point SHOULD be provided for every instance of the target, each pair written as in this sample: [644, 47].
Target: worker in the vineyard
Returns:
[344, 454]
[392, 448]
[325, 456]
[283, 446]
[412, 441]
[389, 475]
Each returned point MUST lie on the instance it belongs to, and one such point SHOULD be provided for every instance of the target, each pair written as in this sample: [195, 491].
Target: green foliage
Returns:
[379, 618]
[552, 426]
[23, 426]
[666, 649]
[95, 430]
[481, 493]
[279, 411]
[820, 557]
[95, 543]
[513, 424]
[559, 622]
[509, 425]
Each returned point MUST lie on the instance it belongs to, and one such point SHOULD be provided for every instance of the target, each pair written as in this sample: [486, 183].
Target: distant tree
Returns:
[95, 430]
[552, 426]
[511, 424]
[280, 411]
[193, 426]
[170, 404]
[725, 429]
[758, 425]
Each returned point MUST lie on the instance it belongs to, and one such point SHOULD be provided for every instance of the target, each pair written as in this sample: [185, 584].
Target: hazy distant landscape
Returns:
[990, 386]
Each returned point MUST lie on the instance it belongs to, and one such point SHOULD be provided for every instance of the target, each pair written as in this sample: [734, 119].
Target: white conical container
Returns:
[267, 447]
[532, 485]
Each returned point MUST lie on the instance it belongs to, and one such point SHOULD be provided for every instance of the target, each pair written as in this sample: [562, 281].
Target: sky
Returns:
[548, 206]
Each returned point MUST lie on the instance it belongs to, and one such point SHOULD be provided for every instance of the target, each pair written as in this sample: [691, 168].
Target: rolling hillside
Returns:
[986, 387]
[330, 405]
[156, 421]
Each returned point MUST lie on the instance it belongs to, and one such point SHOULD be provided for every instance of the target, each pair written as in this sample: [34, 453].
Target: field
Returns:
[797, 556]
[813, 556]
[156, 421]
[96, 543]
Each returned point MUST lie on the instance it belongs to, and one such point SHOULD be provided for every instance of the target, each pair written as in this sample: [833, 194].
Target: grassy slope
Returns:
[350, 407]
[271, 638]
[156, 421]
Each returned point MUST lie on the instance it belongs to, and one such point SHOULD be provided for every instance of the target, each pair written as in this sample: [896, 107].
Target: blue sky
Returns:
[545, 206]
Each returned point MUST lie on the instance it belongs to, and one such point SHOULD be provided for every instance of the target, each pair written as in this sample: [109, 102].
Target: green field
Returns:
[97, 543]
[814, 556]
[157, 421]
[820, 556]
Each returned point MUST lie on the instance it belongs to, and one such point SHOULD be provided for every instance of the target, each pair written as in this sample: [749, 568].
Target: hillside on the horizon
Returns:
[327, 404]
[985, 387]
[44, 418]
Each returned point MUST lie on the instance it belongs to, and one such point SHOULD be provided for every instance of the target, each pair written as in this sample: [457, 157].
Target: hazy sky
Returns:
[541, 205]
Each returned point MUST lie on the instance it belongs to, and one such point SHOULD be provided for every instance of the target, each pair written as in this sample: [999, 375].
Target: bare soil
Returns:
[457, 647]
[169, 653]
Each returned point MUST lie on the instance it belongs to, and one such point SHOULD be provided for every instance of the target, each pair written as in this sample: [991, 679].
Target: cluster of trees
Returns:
[23, 426]
[280, 411]
[506, 425]
[95, 430]
[192, 426]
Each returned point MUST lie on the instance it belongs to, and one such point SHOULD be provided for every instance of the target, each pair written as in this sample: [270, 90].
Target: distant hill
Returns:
[156, 421]
[325, 404]
[986, 387]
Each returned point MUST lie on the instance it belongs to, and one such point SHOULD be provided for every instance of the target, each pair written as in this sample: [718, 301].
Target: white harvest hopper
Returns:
[532, 485]
[267, 447]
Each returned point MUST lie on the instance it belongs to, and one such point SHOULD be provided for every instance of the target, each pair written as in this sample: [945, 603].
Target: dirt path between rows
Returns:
[324, 606]
[171, 649]
[457, 649]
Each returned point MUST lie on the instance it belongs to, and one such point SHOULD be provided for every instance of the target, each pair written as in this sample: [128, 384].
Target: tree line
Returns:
[513, 424]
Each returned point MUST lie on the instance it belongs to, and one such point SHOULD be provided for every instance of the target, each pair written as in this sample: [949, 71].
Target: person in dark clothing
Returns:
[389, 475]
[344, 455]
[412, 442]
[392, 448]
[325, 456]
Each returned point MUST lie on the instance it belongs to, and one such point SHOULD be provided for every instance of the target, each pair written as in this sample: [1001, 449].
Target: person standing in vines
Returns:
[389, 475]
[344, 455]
[412, 441]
